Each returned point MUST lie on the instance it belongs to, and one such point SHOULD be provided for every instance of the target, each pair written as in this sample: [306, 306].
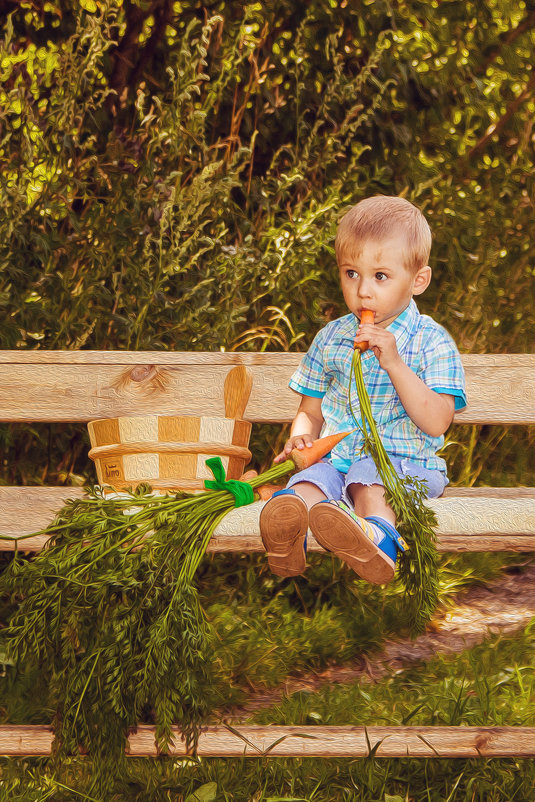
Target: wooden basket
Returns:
[167, 452]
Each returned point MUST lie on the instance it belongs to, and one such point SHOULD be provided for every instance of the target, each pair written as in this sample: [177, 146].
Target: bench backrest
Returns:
[59, 386]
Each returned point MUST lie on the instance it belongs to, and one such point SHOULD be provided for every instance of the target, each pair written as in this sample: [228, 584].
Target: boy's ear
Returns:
[421, 280]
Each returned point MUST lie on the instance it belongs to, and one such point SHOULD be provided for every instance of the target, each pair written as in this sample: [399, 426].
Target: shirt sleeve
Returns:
[442, 368]
[310, 377]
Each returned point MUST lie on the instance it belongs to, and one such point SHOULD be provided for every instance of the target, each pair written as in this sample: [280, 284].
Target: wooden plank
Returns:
[173, 358]
[88, 392]
[307, 741]
[245, 544]
[469, 522]
[31, 740]
[464, 524]
[251, 544]
[333, 741]
[25, 510]
[490, 492]
[229, 358]
[85, 385]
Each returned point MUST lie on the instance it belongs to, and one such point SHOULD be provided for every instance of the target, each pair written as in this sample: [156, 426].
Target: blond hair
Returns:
[381, 217]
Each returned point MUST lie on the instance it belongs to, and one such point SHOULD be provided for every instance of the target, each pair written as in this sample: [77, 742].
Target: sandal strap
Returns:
[286, 491]
[389, 531]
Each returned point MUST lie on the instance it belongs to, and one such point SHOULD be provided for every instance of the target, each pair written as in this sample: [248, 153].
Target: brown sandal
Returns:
[283, 528]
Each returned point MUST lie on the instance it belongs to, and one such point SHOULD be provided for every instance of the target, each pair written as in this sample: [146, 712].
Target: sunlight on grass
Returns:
[491, 684]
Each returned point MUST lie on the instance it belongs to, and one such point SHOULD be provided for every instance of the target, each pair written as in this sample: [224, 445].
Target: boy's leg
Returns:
[367, 538]
[370, 500]
[284, 519]
[311, 494]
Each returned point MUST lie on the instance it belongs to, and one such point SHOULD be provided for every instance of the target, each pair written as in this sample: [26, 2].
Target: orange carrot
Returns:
[307, 456]
[366, 316]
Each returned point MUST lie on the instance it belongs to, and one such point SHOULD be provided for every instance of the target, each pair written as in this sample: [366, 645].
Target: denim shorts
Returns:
[334, 483]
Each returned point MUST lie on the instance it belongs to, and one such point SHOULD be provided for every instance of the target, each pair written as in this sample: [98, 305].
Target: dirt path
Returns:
[501, 607]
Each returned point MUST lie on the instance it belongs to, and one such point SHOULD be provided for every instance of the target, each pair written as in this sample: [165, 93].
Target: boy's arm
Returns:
[306, 426]
[432, 412]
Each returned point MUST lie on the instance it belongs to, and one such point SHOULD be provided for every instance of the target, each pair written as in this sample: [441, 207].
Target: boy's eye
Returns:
[351, 273]
[381, 276]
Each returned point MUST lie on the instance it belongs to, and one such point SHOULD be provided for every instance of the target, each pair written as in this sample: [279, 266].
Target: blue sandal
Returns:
[351, 538]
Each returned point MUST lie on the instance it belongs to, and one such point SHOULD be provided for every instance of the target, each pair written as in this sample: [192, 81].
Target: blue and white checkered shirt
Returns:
[424, 345]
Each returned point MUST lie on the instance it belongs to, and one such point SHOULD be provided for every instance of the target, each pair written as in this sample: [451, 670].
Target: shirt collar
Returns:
[405, 325]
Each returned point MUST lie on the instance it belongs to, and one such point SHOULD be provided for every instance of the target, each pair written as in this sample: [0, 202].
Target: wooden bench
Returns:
[62, 386]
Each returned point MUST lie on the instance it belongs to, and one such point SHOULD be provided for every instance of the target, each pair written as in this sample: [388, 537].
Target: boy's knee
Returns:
[360, 490]
[370, 500]
[310, 493]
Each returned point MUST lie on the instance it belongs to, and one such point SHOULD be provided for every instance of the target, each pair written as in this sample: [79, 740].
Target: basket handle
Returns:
[236, 391]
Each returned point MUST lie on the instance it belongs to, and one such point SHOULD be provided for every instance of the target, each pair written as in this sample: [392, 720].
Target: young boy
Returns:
[414, 376]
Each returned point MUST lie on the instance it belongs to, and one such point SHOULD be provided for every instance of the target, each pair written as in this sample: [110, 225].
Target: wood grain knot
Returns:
[140, 373]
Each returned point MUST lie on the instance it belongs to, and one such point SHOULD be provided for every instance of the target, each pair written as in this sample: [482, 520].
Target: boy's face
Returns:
[373, 276]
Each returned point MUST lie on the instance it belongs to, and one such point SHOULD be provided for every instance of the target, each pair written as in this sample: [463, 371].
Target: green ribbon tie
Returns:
[242, 491]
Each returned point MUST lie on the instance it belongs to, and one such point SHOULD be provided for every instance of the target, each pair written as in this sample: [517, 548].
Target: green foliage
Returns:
[492, 683]
[263, 629]
[180, 213]
[110, 615]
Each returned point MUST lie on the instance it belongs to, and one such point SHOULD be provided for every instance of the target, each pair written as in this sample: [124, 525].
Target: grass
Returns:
[270, 628]
[295, 780]
[490, 684]
[493, 683]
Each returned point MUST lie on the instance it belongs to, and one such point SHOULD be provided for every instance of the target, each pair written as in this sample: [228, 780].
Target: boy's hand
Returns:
[382, 343]
[299, 441]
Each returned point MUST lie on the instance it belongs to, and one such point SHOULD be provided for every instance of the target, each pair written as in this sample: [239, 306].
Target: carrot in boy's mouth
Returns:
[366, 316]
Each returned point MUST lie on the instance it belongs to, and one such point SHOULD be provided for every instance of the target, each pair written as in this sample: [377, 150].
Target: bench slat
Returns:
[83, 385]
[306, 741]
[468, 522]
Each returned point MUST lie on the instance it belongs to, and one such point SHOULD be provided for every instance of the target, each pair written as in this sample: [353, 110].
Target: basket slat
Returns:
[168, 452]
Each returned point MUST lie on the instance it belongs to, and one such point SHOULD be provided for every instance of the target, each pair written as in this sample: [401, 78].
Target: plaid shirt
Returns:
[424, 345]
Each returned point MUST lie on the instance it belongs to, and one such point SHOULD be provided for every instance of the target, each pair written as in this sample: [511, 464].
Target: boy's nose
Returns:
[364, 290]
